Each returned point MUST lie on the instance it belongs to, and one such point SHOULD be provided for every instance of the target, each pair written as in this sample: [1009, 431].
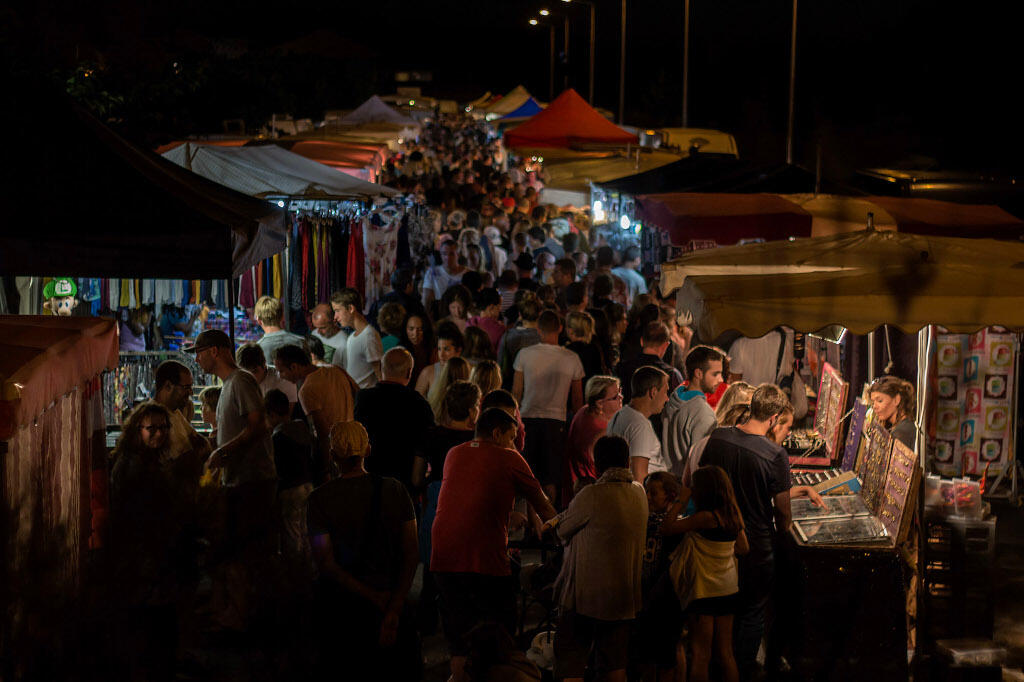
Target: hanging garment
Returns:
[380, 246]
[355, 275]
[245, 291]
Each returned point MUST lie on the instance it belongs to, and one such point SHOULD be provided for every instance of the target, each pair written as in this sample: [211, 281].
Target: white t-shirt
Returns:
[643, 442]
[361, 351]
[334, 347]
[548, 373]
[439, 279]
[273, 380]
[635, 282]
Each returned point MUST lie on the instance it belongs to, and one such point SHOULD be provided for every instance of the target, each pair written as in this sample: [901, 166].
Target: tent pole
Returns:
[231, 311]
[286, 269]
[871, 356]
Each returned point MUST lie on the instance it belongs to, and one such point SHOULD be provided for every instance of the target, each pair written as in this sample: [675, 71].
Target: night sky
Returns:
[908, 83]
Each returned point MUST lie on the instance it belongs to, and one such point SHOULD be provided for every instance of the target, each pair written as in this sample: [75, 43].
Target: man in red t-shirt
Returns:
[469, 556]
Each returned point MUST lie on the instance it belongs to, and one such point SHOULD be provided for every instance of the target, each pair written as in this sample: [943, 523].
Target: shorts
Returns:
[578, 636]
[468, 599]
[545, 443]
[714, 606]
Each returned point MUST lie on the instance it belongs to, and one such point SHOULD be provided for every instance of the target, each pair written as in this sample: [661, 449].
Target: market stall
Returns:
[862, 280]
[53, 478]
[506, 104]
[270, 171]
[567, 122]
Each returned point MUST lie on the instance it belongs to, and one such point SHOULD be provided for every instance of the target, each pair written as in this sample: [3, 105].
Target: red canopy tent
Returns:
[725, 218]
[567, 122]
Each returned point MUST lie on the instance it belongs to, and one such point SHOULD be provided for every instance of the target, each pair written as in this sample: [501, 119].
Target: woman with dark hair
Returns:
[455, 304]
[146, 524]
[418, 338]
[892, 400]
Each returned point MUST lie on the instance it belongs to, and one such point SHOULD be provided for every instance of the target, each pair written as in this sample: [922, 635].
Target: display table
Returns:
[842, 612]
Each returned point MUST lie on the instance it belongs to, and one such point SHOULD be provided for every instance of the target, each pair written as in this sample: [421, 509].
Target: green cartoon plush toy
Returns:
[61, 296]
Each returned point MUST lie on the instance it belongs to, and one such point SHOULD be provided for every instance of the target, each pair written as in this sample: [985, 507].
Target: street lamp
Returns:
[792, 89]
[593, 23]
[565, 45]
[686, 62]
[622, 66]
[551, 66]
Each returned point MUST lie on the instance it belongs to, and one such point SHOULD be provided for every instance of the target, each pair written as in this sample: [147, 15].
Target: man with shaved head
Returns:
[396, 418]
[330, 334]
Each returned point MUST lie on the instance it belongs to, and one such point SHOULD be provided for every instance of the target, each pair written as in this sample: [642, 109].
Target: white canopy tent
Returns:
[270, 171]
[376, 110]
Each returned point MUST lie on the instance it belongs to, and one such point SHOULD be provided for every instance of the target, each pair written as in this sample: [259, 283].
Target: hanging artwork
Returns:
[974, 414]
[828, 421]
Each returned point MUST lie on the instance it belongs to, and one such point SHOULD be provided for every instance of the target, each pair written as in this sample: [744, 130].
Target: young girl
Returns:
[706, 579]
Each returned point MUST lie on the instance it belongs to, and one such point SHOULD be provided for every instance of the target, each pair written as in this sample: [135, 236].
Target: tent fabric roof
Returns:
[707, 172]
[725, 218]
[512, 100]
[567, 121]
[44, 357]
[728, 218]
[90, 204]
[577, 174]
[527, 109]
[859, 280]
[269, 170]
[375, 110]
[338, 154]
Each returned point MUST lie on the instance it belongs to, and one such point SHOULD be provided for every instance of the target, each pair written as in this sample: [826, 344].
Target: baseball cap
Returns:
[508, 203]
[211, 338]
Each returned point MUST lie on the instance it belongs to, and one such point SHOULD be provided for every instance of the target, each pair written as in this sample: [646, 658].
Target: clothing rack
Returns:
[134, 380]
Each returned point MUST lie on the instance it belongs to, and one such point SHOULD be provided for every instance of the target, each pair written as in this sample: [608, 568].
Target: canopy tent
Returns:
[44, 357]
[54, 478]
[230, 142]
[270, 171]
[727, 218]
[724, 218]
[362, 160]
[528, 108]
[375, 110]
[713, 172]
[511, 101]
[567, 122]
[859, 280]
[87, 203]
[577, 173]
[390, 135]
[481, 100]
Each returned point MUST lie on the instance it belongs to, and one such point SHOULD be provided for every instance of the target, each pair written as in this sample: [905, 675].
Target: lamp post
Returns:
[565, 45]
[593, 35]
[622, 66]
[686, 62]
[792, 89]
[551, 65]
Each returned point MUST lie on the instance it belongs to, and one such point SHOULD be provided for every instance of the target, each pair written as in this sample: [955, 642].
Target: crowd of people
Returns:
[527, 383]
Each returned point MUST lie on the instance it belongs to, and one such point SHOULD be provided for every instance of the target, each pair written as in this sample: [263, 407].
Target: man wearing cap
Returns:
[245, 456]
[330, 334]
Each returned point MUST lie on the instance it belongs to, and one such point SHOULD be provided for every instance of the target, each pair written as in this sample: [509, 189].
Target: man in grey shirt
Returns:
[269, 316]
[244, 451]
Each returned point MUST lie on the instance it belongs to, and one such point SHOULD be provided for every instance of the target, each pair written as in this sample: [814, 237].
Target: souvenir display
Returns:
[858, 529]
[896, 500]
[828, 420]
[874, 463]
[854, 435]
[974, 406]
